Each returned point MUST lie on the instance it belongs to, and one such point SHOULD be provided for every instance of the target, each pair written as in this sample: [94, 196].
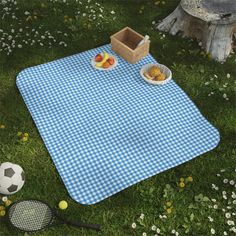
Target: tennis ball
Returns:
[63, 205]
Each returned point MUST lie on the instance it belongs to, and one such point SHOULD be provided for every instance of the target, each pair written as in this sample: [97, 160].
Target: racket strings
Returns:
[30, 215]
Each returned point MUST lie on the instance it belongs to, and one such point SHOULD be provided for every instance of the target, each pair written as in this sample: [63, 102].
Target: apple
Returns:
[98, 58]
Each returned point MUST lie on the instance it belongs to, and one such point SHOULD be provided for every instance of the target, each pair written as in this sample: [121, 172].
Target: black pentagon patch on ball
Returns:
[12, 188]
[23, 176]
[9, 172]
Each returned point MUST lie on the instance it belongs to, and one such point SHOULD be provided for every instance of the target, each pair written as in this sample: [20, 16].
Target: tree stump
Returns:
[212, 22]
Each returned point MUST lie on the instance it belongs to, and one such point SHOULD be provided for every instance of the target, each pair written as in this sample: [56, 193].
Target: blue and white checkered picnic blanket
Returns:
[107, 130]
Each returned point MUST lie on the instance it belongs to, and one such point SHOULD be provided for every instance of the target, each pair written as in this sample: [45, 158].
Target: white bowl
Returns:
[164, 69]
[93, 63]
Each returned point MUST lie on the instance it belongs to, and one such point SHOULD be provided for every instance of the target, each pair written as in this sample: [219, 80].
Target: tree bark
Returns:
[196, 19]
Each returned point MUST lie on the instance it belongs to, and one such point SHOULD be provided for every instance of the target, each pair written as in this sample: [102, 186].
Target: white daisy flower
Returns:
[134, 225]
[216, 78]
[164, 216]
[228, 75]
[213, 200]
[154, 228]
[112, 12]
[176, 233]
[230, 222]
[231, 182]
[234, 202]
[215, 206]
[210, 219]
[144, 234]
[225, 181]
[225, 197]
[213, 231]
[141, 216]
[222, 170]
[158, 230]
[225, 233]
[228, 215]
[4, 199]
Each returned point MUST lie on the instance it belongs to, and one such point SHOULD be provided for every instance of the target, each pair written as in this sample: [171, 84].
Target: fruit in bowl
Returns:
[98, 58]
[104, 61]
[156, 73]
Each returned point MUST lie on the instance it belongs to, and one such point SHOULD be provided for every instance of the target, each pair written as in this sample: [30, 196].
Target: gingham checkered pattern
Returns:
[107, 130]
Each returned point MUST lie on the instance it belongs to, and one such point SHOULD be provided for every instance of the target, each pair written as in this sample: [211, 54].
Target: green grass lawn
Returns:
[73, 28]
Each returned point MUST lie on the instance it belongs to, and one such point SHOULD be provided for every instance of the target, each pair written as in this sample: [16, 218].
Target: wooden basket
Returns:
[125, 42]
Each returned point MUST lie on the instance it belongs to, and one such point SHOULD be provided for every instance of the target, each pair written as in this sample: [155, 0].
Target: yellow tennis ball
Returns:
[63, 205]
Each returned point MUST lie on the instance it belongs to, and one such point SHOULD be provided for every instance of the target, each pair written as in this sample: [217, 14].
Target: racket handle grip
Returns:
[80, 224]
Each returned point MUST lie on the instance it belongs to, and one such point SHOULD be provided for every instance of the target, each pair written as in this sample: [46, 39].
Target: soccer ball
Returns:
[12, 178]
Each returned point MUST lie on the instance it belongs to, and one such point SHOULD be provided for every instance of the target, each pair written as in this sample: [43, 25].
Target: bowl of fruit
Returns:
[156, 74]
[104, 61]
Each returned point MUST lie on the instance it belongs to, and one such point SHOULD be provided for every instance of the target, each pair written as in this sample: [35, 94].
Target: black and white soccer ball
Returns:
[12, 178]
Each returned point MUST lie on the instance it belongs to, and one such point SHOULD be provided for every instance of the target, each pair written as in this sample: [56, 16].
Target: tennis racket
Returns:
[34, 215]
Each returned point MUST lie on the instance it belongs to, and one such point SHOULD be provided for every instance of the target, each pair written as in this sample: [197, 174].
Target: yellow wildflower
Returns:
[181, 179]
[168, 210]
[2, 213]
[19, 133]
[24, 139]
[168, 204]
[2, 208]
[182, 184]
[190, 179]
[8, 203]
[2, 126]
[26, 135]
